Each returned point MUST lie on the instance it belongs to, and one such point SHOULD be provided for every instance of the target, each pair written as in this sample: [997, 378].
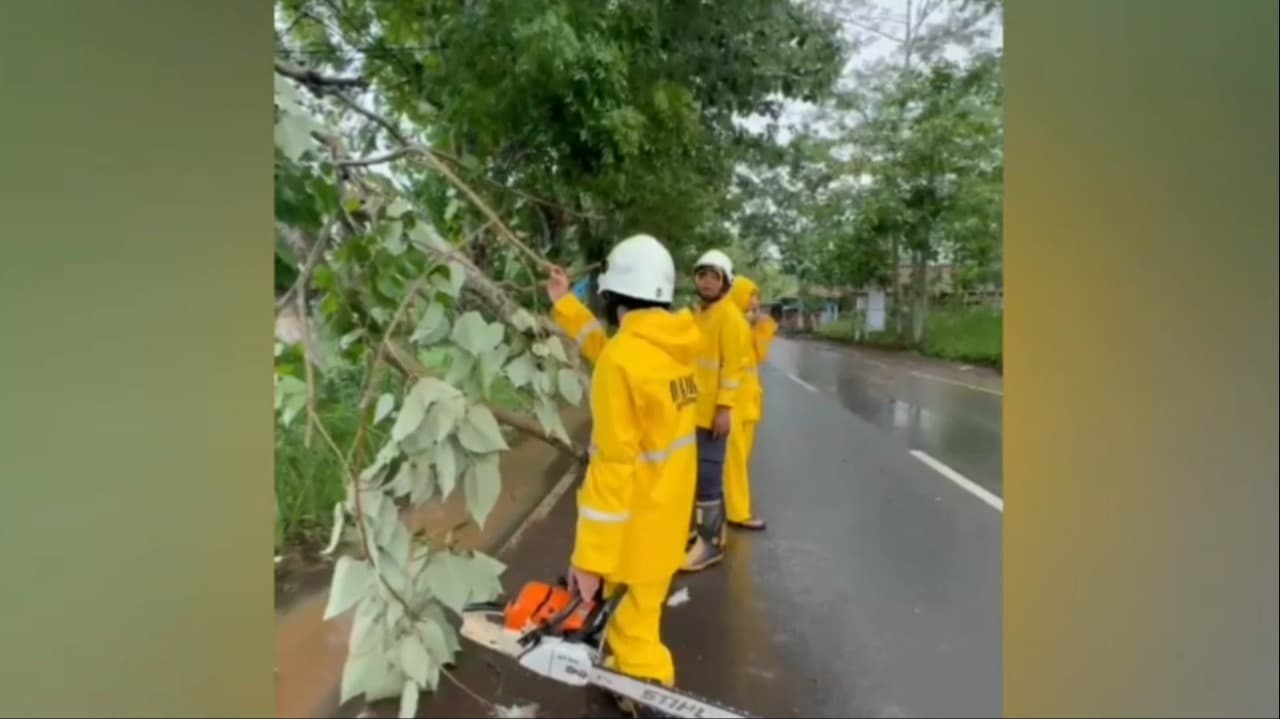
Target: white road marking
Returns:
[802, 383]
[966, 385]
[977, 491]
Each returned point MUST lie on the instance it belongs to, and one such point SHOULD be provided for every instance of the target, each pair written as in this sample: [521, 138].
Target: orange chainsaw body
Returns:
[540, 603]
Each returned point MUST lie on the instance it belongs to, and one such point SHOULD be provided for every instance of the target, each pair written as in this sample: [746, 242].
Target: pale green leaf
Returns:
[286, 95]
[438, 618]
[365, 629]
[293, 135]
[410, 416]
[435, 640]
[544, 382]
[424, 483]
[432, 327]
[386, 684]
[549, 417]
[489, 563]
[483, 484]
[461, 364]
[409, 700]
[448, 581]
[521, 370]
[386, 403]
[345, 341]
[351, 579]
[556, 349]
[446, 461]
[424, 235]
[457, 278]
[393, 237]
[419, 440]
[359, 673]
[414, 658]
[470, 332]
[479, 431]
[443, 418]
[570, 386]
[540, 349]
[398, 207]
[386, 454]
[491, 337]
[522, 320]
[491, 366]
[335, 534]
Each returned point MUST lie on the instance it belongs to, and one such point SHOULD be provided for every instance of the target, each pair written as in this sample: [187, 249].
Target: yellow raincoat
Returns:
[750, 407]
[633, 507]
[723, 360]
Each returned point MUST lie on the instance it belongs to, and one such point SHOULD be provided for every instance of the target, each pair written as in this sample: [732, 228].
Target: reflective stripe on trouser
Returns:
[634, 633]
[711, 458]
[737, 473]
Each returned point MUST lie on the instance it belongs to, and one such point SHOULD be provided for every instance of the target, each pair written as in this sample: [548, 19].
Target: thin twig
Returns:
[467, 690]
[376, 159]
[308, 370]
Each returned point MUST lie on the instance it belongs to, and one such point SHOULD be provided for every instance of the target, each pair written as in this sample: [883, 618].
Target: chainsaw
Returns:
[551, 631]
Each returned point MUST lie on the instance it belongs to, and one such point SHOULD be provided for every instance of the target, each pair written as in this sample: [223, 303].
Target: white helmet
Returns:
[639, 267]
[718, 260]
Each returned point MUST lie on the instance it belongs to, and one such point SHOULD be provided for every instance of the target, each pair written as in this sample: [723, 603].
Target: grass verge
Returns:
[970, 334]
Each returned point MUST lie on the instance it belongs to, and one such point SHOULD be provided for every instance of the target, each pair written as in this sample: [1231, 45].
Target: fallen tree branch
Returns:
[406, 362]
[315, 79]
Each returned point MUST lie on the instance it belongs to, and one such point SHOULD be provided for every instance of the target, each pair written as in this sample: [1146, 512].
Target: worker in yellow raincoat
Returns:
[737, 483]
[722, 365]
[633, 507]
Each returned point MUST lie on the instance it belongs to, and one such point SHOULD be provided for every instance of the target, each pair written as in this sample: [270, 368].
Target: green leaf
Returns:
[443, 418]
[398, 207]
[437, 617]
[410, 416]
[293, 135]
[432, 327]
[549, 417]
[484, 572]
[446, 461]
[461, 363]
[448, 581]
[479, 432]
[570, 386]
[491, 365]
[386, 403]
[335, 534]
[457, 278]
[483, 484]
[471, 333]
[392, 235]
[522, 320]
[556, 349]
[424, 483]
[409, 700]
[436, 640]
[544, 383]
[364, 629]
[540, 349]
[351, 579]
[521, 370]
[424, 235]
[415, 661]
[360, 672]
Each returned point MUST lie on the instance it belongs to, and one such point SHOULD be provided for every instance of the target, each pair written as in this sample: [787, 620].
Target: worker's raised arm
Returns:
[573, 317]
[604, 502]
[581, 325]
[736, 350]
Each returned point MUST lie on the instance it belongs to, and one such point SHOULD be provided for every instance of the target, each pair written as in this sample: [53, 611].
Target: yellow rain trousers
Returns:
[748, 410]
[633, 507]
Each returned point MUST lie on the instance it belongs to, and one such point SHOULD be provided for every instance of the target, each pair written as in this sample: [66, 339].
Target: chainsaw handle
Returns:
[598, 616]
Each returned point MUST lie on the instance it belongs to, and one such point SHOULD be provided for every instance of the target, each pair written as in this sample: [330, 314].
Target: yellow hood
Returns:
[740, 292]
[675, 333]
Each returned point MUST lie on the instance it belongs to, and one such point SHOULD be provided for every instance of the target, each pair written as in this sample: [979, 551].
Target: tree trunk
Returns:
[919, 296]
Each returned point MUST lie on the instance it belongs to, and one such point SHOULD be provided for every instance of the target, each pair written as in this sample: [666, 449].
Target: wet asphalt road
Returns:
[875, 592]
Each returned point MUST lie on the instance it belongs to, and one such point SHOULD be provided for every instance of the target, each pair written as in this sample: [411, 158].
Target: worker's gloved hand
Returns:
[557, 284]
[721, 424]
[586, 584]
